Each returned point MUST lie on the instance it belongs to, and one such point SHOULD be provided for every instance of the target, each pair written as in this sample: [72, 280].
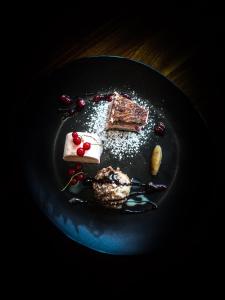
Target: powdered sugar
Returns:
[120, 143]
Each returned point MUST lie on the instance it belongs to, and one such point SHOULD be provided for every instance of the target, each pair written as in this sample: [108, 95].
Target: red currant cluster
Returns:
[67, 100]
[77, 141]
[100, 97]
[76, 174]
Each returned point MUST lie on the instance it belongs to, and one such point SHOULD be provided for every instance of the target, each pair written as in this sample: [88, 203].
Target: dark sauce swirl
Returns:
[112, 178]
[138, 189]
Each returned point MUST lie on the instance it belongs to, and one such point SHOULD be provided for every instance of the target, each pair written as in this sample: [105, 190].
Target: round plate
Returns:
[184, 166]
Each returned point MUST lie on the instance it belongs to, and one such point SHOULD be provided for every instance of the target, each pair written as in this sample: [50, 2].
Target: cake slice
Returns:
[125, 114]
[91, 156]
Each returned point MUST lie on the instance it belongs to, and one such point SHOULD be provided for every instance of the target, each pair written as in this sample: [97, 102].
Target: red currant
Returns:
[86, 146]
[98, 98]
[65, 99]
[74, 134]
[80, 103]
[71, 171]
[159, 128]
[77, 140]
[109, 97]
[80, 177]
[73, 181]
[80, 152]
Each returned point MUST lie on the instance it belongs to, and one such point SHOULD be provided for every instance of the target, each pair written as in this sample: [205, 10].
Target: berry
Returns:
[159, 128]
[73, 181]
[80, 103]
[109, 97]
[98, 98]
[80, 177]
[86, 146]
[74, 134]
[71, 171]
[77, 140]
[80, 152]
[78, 166]
[65, 99]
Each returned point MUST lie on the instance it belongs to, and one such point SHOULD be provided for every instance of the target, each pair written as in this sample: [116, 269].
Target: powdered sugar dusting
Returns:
[120, 143]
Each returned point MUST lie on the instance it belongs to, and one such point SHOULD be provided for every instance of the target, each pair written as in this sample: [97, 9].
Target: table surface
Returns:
[187, 53]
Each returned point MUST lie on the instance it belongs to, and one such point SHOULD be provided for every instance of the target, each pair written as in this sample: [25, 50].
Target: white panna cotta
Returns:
[91, 156]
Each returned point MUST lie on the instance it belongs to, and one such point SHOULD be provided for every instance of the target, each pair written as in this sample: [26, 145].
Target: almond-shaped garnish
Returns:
[156, 159]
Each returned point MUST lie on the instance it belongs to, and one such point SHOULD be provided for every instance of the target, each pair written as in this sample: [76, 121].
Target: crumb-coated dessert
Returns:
[111, 187]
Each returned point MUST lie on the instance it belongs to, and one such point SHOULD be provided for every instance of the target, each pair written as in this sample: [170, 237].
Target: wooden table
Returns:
[187, 51]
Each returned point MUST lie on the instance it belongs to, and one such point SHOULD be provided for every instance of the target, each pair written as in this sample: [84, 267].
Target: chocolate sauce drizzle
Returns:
[145, 188]
[138, 187]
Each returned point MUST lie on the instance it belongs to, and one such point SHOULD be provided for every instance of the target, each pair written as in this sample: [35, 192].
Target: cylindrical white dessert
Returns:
[92, 155]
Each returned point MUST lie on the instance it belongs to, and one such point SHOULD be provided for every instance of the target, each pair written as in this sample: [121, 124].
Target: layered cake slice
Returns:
[125, 114]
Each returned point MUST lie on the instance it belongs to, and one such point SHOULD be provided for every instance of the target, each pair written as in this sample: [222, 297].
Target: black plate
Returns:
[184, 168]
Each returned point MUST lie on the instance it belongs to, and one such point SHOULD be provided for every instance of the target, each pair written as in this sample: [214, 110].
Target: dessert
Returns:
[125, 114]
[156, 160]
[111, 187]
[82, 147]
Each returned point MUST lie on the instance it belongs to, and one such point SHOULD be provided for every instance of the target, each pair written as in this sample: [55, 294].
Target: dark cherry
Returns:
[65, 99]
[159, 128]
[80, 103]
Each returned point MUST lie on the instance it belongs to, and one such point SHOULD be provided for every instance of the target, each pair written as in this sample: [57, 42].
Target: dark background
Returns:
[41, 38]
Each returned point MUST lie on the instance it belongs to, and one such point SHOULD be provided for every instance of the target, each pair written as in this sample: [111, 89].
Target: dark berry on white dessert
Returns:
[65, 99]
[86, 146]
[159, 128]
[80, 151]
